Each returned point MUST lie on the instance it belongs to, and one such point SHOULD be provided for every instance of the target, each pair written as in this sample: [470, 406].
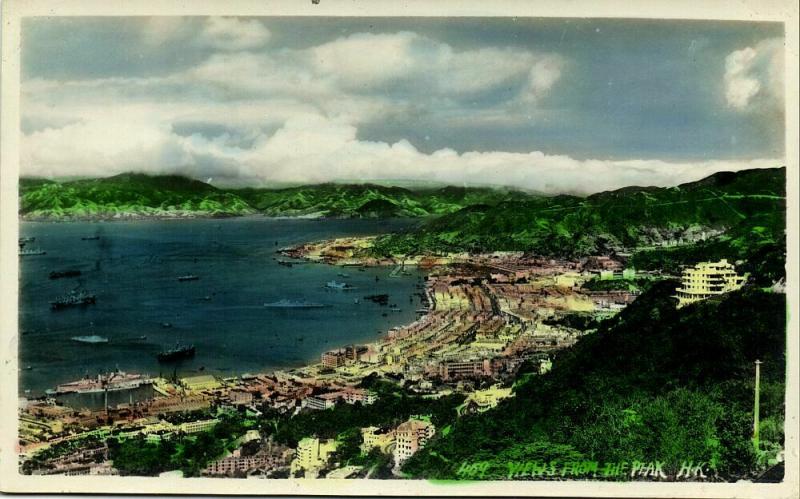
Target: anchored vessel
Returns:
[90, 339]
[188, 277]
[58, 274]
[338, 285]
[296, 304]
[74, 298]
[113, 381]
[31, 252]
[177, 353]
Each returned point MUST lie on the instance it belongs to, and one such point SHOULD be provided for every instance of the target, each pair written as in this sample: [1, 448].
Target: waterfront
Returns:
[133, 267]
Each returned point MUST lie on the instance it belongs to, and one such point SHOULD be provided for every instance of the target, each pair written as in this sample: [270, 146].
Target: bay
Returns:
[132, 267]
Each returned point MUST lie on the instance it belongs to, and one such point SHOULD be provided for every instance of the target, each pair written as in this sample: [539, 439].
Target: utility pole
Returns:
[756, 406]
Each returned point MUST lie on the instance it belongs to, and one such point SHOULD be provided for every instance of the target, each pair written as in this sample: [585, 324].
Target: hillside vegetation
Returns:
[733, 214]
[139, 195]
[654, 383]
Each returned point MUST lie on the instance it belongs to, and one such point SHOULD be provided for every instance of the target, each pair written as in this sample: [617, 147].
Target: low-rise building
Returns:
[483, 400]
[200, 383]
[311, 455]
[374, 437]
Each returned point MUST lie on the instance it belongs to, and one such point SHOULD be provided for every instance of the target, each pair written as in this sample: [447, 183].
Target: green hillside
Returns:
[370, 201]
[743, 211]
[126, 195]
[171, 195]
[654, 383]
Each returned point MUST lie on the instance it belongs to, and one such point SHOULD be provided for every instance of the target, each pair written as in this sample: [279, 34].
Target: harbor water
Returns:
[142, 308]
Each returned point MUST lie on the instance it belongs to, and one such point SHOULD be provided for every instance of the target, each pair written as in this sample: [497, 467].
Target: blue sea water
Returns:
[133, 269]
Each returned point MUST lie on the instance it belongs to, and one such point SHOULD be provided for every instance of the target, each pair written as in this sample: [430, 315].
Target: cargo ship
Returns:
[73, 299]
[58, 274]
[179, 352]
[31, 252]
[113, 381]
[188, 277]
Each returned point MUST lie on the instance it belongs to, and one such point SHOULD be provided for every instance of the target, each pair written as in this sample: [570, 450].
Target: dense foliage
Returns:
[654, 383]
[189, 453]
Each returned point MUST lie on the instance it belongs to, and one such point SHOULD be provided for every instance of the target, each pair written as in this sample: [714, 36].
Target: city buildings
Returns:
[707, 279]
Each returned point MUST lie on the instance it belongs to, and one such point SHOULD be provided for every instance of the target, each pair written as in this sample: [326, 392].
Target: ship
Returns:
[381, 299]
[23, 240]
[338, 285]
[74, 298]
[90, 339]
[90, 238]
[188, 277]
[58, 274]
[177, 353]
[31, 252]
[296, 304]
[113, 381]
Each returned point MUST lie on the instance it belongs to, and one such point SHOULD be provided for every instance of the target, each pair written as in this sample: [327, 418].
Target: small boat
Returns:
[341, 286]
[188, 277]
[295, 304]
[166, 324]
[31, 252]
[90, 339]
[342, 274]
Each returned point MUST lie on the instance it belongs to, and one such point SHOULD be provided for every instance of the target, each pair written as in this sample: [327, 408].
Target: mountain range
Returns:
[739, 215]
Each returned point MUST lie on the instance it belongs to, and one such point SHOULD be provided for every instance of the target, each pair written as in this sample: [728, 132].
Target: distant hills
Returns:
[139, 195]
[737, 215]
[730, 214]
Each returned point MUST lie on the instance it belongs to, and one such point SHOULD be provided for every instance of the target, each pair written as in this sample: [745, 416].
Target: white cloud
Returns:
[220, 33]
[409, 62]
[310, 148]
[755, 75]
[231, 33]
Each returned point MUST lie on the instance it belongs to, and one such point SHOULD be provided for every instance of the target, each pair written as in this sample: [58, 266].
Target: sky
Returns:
[548, 105]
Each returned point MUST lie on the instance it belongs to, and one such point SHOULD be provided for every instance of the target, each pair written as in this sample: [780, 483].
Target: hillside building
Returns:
[707, 279]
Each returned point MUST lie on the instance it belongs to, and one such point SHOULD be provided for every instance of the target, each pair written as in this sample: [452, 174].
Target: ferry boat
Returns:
[74, 298]
[113, 381]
